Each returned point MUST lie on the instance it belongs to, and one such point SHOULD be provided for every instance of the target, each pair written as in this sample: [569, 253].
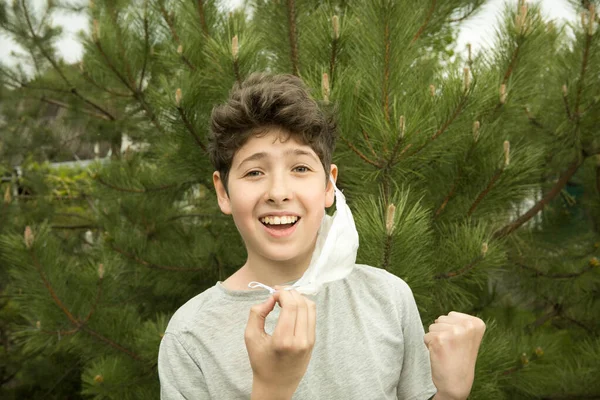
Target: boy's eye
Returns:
[301, 168]
[253, 173]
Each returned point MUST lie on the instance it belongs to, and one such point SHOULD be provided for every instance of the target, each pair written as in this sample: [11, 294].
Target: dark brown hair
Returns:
[262, 101]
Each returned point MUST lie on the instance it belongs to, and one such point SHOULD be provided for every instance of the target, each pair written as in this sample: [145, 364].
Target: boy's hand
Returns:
[453, 342]
[280, 361]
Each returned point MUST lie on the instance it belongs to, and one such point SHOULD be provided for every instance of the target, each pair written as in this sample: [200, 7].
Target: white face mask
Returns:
[335, 251]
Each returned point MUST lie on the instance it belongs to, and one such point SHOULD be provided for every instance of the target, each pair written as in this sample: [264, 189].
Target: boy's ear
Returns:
[330, 191]
[222, 196]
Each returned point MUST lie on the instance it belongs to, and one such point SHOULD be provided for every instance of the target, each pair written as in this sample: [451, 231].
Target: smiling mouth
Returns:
[280, 227]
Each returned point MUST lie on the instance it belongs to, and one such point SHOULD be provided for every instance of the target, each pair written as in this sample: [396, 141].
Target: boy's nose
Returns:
[278, 191]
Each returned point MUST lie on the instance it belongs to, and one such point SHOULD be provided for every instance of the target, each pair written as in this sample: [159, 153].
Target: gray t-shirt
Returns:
[369, 343]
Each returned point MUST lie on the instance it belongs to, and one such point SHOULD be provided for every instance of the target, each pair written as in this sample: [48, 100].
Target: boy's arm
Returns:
[415, 378]
[180, 375]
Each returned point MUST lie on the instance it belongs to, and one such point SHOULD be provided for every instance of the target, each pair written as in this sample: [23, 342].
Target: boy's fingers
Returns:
[301, 329]
[287, 317]
[312, 320]
[258, 314]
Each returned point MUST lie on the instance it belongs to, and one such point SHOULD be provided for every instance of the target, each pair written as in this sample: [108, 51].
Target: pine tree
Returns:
[474, 179]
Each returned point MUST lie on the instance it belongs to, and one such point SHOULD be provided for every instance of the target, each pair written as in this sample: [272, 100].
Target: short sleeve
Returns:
[415, 381]
[181, 377]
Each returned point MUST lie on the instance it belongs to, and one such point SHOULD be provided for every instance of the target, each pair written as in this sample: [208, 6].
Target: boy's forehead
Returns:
[272, 143]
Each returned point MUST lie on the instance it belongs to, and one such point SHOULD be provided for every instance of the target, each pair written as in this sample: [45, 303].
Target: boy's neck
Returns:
[267, 272]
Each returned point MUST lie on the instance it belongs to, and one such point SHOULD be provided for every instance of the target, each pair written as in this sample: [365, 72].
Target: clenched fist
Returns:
[453, 342]
[279, 361]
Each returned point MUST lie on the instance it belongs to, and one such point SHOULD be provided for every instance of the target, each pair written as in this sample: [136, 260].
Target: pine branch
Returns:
[584, 64]
[511, 65]
[545, 317]
[456, 180]
[146, 46]
[567, 108]
[89, 79]
[440, 131]
[96, 301]
[598, 179]
[360, 154]
[202, 17]
[368, 141]
[112, 67]
[552, 276]
[128, 190]
[537, 123]
[462, 271]
[334, 45]
[112, 343]
[56, 67]
[51, 291]
[386, 71]
[465, 16]
[512, 226]
[152, 265]
[293, 38]
[387, 251]
[68, 107]
[75, 227]
[424, 25]
[114, 16]
[485, 192]
[190, 128]
[167, 19]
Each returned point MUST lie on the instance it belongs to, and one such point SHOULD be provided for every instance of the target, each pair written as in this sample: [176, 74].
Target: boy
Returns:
[359, 337]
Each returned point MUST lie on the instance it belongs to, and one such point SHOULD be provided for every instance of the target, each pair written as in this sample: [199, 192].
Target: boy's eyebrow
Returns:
[260, 155]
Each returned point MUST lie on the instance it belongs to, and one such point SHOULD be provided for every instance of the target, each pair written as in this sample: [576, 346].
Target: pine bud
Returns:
[325, 88]
[7, 196]
[506, 153]
[521, 18]
[564, 90]
[469, 51]
[484, 249]
[336, 27]
[234, 47]
[98, 379]
[503, 93]
[539, 351]
[180, 49]
[402, 124]
[178, 97]
[28, 237]
[101, 271]
[432, 90]
[524, 359]
[594, 262]
[476, 126]
[38, 325]
[466, 78]
[389, 220]
[95, 31]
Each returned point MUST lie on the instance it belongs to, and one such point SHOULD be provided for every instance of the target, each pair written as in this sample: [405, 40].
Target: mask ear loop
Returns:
[254, 285]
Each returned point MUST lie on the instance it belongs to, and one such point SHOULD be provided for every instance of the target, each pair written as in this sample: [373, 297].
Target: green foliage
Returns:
[475, 179]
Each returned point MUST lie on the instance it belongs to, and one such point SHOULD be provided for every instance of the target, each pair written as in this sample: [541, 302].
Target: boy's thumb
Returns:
[258, 314]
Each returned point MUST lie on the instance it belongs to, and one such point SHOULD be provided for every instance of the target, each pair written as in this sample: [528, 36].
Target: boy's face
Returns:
[269, 177]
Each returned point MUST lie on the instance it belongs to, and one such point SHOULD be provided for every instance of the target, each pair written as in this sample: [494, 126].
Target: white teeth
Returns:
[286, 219]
